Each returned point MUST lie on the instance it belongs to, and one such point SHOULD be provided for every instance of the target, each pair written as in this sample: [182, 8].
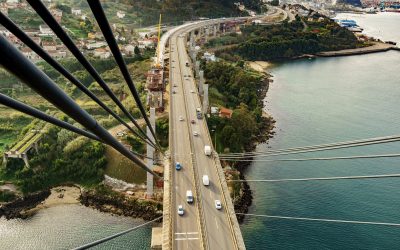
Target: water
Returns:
[69, 226]
[384, 26]
[322, 101]
[313, 101]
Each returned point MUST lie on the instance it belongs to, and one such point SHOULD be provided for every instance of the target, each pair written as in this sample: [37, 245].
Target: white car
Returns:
[191, 91]
[180, 210]
[180, 118]
[218, 204]
[195, 133]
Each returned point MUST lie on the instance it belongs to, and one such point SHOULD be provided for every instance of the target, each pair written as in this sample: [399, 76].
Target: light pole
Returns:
[215, 137]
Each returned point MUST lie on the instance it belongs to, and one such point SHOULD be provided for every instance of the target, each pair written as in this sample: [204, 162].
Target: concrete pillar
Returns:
[150, 155]
[215, 31]
[207, 31]
[25, 158]
[4, 160]
[205, 98]
[197, 67]
[36, 147]
[201, 82]
[192, 39]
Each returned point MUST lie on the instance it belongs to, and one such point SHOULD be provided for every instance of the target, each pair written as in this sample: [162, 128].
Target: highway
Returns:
[193, 230]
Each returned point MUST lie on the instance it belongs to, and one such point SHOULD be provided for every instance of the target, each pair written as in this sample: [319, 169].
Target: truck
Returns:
[199, 114]
[206, 180]
[207, 150]
[189, 196]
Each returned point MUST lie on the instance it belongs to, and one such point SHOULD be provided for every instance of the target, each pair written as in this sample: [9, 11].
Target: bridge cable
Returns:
[369, 141]
[324, 178]
[97, 242]
[101, 18]
[322, 158]
[47, 17]
[323, 220]
[17, 64]
[14, 104]
[316, 149]
[13, 28]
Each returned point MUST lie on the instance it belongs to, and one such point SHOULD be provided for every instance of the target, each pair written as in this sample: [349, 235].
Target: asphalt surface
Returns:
[201, 218]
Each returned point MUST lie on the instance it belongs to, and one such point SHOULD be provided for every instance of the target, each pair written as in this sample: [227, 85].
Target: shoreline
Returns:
[375, 48]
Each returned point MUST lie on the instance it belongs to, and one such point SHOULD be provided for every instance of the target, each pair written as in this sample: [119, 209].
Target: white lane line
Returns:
[216, 223]
[210, 194]
[187, 239]
[188, 233]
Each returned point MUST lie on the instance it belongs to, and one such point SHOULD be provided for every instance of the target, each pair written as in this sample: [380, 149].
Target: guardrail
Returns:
[168, 228]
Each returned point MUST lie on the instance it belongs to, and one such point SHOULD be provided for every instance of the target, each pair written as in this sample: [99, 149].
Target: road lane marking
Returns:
[188, 233]
[216, 223]
[187, 239]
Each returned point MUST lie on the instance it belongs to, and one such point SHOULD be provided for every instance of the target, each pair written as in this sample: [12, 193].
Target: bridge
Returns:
[202, 226]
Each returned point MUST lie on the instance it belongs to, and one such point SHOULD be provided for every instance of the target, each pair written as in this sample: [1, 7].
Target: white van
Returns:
[206, 180]
[189, 196]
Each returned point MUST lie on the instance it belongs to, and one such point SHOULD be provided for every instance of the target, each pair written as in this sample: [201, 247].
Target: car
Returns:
[175, 85]
[174, 92]
[181, 211]
[180, 118]
[178, 166]
[218, 204]
[206, 180]
[184, 75]
[195, 133]
[191, 91]
[120, 134]
[193, 121]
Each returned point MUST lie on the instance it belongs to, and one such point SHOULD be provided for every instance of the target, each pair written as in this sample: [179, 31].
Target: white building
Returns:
[76, 12]
[96, 45]
[45, 30]
[120, 14]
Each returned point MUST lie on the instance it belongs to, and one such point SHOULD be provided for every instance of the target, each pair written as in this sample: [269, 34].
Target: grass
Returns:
[122, 168]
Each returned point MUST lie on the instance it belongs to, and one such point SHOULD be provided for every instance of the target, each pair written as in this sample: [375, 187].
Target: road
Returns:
[193, 230]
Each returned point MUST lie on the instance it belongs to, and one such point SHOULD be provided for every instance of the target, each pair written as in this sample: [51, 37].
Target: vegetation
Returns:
[241, 90]
[62, 158]
[6, 196]
[162, 130]
[286, 40]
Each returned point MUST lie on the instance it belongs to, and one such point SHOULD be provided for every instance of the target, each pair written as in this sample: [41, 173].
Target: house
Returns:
[76, 12]
[57, 14]
[214, 110]
[120, 14]
[28, 53]
[225, 113]
[129, 49]
[58, 54]
[101, 53]
[5, 32]
[49, 45]
[4, 8]
[45, 30]
[209, 57]
[146, 43]
[96, 45]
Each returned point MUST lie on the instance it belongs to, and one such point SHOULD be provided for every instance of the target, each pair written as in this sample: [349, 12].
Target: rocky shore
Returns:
[20, 207]
[113, 202]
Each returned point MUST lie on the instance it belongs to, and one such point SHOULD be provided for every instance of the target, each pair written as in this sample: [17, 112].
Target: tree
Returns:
[136, 51]
[275, 2]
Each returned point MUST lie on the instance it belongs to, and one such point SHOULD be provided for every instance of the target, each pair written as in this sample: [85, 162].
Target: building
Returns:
[129, 49]
[225, 113]
[95, 45]
[146, 43]
[214, 110]
[28, 53]
[4, 8]
[45, 30]
[49, 45]
[120, 14]
[57, 14]
[101, 53]
[76, 12]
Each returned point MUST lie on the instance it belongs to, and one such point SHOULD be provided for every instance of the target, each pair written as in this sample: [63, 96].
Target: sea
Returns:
[328, 100]
[313, 101]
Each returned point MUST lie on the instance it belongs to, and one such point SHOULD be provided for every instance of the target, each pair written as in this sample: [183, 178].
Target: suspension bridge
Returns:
[204, 224]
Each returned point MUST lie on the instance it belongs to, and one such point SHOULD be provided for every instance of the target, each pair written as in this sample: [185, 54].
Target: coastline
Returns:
[242, 204]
